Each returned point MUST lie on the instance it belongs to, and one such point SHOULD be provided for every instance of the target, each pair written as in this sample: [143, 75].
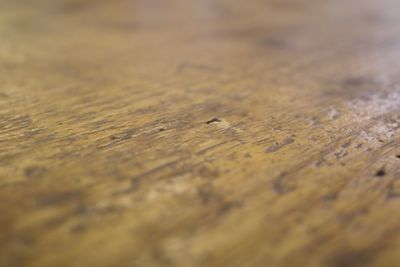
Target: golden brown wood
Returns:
[188, 133]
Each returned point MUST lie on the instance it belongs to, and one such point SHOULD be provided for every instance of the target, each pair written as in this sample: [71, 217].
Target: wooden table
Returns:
[199, 133]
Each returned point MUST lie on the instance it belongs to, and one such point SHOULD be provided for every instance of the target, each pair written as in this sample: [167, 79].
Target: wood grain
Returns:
[183, 133]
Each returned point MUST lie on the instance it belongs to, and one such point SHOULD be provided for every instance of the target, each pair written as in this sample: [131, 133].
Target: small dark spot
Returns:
[25, 241]
[341, 154]
[213, 120]
[346, 144]
[274, 43]
[321, 162]
[35, 171]
[275, 147]
[314, 121]
[354, 81]
[123, 136]
[381, 172]
[350, 258]
[208, 172]
[135, 183]
[363, 211]
[330, 197]
[333, 113]
[281, 186]
[79, 228]
[392, 192]
[61, 198]
[55, 222]
[228, 206]
[398, 156]
[375, 18]
[74, 6]
[207, 194]
[161, 129]
[3, 95]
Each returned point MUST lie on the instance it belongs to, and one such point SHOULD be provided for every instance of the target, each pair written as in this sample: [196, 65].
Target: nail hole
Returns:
[213, 120]
[381, 172]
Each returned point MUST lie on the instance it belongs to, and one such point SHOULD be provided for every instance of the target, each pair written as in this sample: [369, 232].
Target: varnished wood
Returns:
[184, 133]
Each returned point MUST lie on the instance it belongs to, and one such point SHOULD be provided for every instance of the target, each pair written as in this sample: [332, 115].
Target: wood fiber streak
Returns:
[212, 133]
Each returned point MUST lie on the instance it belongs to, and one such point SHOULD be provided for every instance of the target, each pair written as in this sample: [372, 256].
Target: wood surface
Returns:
[199, 133]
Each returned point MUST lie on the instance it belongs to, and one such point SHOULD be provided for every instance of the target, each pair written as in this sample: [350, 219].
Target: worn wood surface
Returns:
[184, 133]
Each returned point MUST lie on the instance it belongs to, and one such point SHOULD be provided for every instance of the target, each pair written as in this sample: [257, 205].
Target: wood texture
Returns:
[184, 133]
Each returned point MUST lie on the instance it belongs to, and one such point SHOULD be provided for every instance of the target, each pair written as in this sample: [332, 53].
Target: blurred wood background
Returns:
[191, 133]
